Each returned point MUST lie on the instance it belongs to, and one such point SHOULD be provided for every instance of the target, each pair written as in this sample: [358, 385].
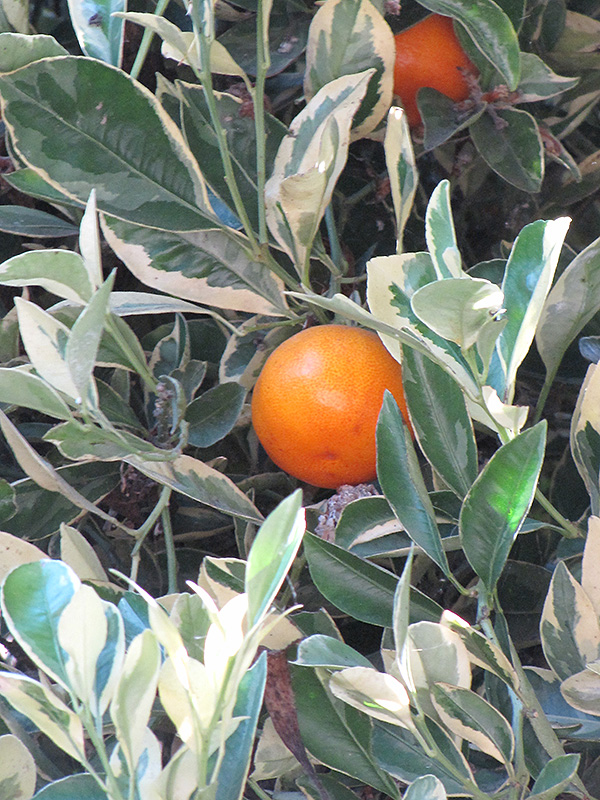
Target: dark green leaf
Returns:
[74, 787]
[402, 482]
[336, 734]
[510, 143]
[361, 589]
[212, 415]
[24, 221]
[325, 651]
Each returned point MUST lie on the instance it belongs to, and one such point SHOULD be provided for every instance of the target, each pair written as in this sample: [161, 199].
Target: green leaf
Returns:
[99, 32]
[346, 37]
[539, 82]
[17, 769]
[570, 305]
[60, 272]
[212, 415]
[23, 221]
[18, 49]
[490, 30]
[498, 502]
[77, 120]
[134, 695]
[359, 588]
[402, 482]
[33, 598]
[325, 651]
[442, 117]
[511, 145]
[439, 234]
[74, 787]
[335, 734]
[458, 308]
[527, 279]
[309, 161]
[231, 780]
[402, 168]
[272, 554]
[470, 717]
[211, 267]
[555, 777]
[427, 787]
[440, 420]
[400, 754]
[569, 627]
[47, 712]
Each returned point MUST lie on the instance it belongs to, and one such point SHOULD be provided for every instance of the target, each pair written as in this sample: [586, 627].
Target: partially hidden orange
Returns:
[429, 54]
[316, 403]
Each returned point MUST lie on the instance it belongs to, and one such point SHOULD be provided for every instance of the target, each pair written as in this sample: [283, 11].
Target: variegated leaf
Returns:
[481, 651]
[17, 769]
[569, 628]
[82, 631]
[42, 472]
[393, 280]
[60, 272]
[401, 167]
[570, 304]
[197, 480]
[308, 164]
[45, 340]
[349, 36]
[134, 695]
[527, 279]
[97, 123]
[98, 28]
[209, 267]
[585, 432]
[427, 787]
[436, 654]
[18, 49]
[189, 698]
[458, 308]
[22, 387]
[14, 551]
[89, 243]
[46, 711]
[374, 693]
[582, 691]
[470, 717]
[78, 553]
[440, 236]
[590, 574]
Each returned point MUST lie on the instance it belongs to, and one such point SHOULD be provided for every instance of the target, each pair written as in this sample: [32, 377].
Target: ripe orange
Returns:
[429, 54]
[316, 402]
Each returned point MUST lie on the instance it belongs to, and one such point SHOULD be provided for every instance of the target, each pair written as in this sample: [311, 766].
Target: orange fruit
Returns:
[429, 54]
[316, 402]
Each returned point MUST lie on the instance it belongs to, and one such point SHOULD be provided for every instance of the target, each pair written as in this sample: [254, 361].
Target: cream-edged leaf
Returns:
[375, 693]
[46, 710]
[78, 553]
[17, 769]
[569, 628]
